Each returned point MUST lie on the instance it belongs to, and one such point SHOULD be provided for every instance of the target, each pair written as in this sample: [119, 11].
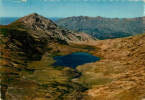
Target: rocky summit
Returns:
[43, 27]
[29, 45]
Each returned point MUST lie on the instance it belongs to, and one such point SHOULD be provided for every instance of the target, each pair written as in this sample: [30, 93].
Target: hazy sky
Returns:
[68, 8]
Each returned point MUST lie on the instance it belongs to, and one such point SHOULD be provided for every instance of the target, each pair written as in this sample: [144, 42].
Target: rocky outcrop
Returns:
[104, 28]
[39, 26]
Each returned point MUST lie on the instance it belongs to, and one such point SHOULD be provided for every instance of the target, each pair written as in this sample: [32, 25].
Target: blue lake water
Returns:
[75, 59]
[8, 20]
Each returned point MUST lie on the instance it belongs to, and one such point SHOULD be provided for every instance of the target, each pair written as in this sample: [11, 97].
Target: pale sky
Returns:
[69, 8]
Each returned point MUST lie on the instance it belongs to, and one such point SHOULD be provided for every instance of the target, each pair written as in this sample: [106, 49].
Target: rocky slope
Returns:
[120, 75]
[37, 24]
[28, 46]
[104, 28]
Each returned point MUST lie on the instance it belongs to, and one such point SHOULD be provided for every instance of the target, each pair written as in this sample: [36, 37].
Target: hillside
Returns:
[120, 75]
[104, 28]
[28, 46]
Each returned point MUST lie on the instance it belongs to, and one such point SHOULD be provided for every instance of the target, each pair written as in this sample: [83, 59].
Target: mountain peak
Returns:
[35, 14]
[34, 21]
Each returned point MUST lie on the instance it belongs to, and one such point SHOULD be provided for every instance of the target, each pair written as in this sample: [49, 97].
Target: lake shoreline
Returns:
[75, 59]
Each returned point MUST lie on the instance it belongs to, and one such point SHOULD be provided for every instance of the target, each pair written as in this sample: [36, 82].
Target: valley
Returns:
[29, 45]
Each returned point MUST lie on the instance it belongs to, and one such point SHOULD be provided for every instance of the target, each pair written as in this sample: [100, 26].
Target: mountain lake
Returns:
[75, 59]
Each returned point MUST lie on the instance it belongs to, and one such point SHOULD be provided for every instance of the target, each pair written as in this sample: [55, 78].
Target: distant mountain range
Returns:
[104, 28]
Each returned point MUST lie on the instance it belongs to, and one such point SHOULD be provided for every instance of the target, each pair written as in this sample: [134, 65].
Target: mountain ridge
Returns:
[104, 28]
[37, 22]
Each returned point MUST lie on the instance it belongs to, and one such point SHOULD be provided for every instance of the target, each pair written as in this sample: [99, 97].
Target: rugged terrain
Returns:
[38, 24]
[104, 28]
[120, 75]
[29, 44]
